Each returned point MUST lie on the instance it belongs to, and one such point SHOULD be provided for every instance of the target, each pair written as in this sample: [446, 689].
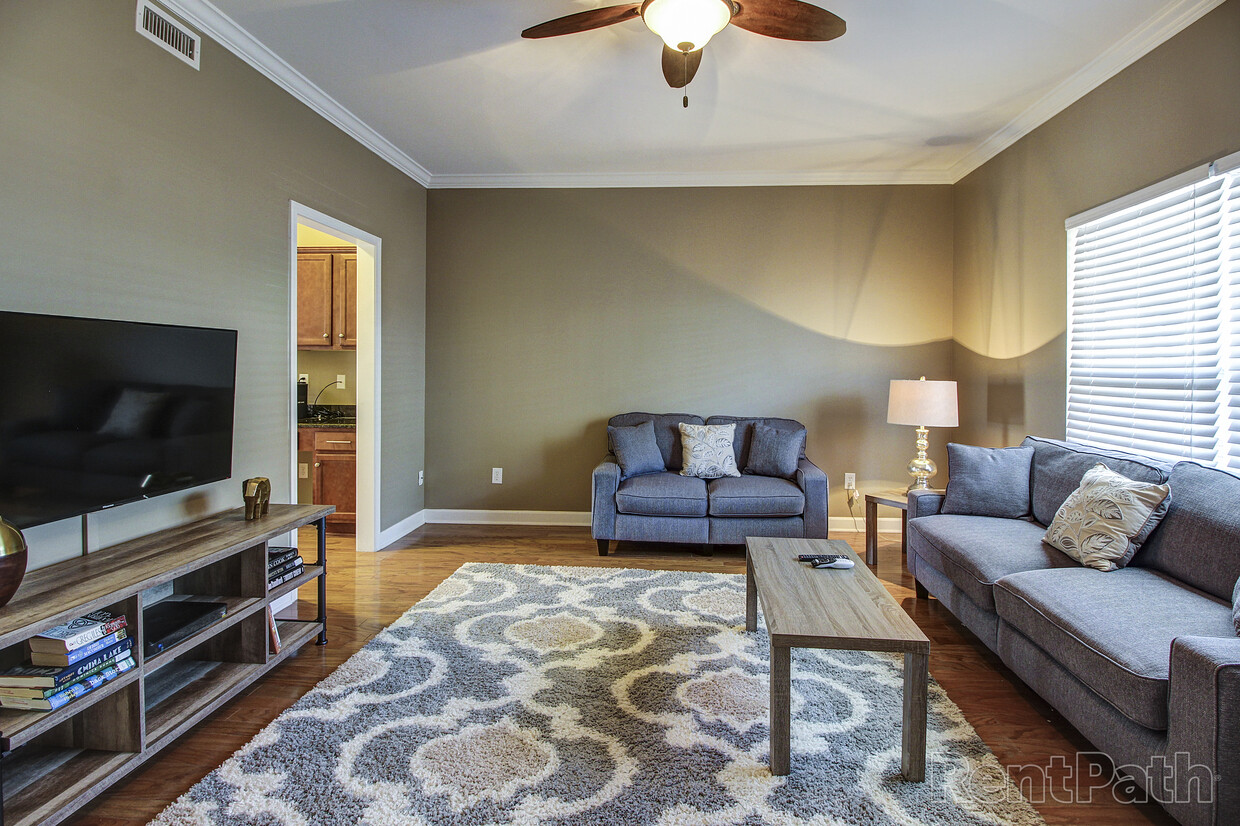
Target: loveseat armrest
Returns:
[924, 503]
[812, 481]
[604, 484]
[1203, 732]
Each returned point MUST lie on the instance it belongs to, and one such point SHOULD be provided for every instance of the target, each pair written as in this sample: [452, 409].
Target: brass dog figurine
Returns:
[257, 495]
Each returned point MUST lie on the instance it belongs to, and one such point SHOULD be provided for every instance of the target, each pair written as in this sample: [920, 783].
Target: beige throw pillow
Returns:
[707, 450]
[1103, 522]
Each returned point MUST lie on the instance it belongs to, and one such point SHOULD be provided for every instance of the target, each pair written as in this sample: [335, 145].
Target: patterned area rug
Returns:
[537, 695]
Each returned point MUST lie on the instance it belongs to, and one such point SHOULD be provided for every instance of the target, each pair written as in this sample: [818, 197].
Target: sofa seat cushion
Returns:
[1112, 631]
[662, 494]
[755, 496]
[975, 552]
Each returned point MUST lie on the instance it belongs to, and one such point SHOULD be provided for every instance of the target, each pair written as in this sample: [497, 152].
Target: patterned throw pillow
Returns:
[1104, 521]
[708, 450]
[1235, 608]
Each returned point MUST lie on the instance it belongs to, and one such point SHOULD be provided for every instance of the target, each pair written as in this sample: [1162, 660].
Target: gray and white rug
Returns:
[534, 695]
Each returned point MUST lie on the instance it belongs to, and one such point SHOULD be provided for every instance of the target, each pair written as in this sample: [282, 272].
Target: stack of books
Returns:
[68, 661]
[283, 564]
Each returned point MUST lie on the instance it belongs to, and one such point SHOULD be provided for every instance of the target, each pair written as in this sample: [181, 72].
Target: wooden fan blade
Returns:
[674, 66]
[583, 21]
[787, 20]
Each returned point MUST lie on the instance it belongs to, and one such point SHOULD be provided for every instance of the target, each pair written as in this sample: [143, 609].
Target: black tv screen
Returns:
[97, 413]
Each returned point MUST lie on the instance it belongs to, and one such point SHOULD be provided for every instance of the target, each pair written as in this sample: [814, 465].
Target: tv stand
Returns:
[56, 761]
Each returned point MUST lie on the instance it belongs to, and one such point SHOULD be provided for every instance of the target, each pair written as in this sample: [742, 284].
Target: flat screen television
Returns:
[97, 413]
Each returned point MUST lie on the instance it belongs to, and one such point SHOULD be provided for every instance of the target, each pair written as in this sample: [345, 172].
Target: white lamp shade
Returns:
[928, 403]
[686, 24]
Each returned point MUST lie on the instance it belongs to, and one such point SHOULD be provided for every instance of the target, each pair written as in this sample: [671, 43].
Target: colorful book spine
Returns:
[32, 692]
[286, 577]
[278, 556]
[78, 632]
[72, 691]
[77, 654]
[285, 568]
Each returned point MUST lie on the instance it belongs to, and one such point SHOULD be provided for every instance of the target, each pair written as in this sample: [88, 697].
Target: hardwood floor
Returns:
[366, 592]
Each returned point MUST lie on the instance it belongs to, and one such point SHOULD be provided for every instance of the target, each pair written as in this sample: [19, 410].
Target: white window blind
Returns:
[1154, 323]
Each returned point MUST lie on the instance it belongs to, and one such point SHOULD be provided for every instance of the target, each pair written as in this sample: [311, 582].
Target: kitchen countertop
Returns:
[332, 425]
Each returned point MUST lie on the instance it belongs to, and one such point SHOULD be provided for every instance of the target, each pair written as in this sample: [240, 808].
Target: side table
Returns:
[893, 499]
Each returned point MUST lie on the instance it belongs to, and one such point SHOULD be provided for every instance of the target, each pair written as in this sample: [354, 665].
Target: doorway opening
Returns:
[332, 451]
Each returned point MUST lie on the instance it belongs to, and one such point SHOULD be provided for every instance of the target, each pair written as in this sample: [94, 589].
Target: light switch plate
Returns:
[303, 470]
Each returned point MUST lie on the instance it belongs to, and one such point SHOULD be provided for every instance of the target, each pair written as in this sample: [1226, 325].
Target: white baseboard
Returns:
[404, 526]
[449, 516]
[851, 524]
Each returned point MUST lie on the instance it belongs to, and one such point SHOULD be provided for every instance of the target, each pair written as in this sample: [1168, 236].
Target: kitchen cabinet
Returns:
[333, 472]
[326, 298]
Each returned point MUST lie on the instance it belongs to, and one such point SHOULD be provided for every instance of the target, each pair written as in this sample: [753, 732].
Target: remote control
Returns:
[816, 557]
[838, 562]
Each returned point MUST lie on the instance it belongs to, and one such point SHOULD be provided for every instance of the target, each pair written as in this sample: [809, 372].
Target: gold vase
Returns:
[12, 561]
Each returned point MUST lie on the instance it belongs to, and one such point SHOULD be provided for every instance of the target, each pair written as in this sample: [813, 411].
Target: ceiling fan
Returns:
[687, 25]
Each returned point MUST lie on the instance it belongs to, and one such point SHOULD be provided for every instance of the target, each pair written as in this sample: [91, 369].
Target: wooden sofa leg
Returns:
[922, 593]
[603, 545]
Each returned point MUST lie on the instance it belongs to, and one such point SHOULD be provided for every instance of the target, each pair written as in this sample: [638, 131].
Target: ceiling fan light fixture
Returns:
[686, 25]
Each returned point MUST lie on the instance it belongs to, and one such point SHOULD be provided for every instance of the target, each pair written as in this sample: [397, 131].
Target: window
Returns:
[1154, 320]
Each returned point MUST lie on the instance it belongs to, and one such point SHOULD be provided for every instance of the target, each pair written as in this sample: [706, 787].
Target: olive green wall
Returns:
[1177, 107]
[137, 188]
[549, 311]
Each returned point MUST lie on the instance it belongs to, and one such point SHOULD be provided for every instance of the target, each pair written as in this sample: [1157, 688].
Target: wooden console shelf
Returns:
[55, 761]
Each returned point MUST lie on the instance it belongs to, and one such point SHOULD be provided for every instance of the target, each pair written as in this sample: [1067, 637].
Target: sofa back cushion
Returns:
[1058, 468]
[1198, 542]
[666, 432]
[744, 433]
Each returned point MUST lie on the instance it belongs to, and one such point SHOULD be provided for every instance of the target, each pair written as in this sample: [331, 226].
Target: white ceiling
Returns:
[917, 91]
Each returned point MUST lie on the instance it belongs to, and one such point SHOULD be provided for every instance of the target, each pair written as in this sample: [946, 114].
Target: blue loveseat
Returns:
[668, 507]
[1144, 660]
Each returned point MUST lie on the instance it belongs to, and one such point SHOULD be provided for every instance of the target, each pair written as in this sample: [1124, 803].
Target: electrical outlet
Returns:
[497, 476]
[420, 477]
[850, 481]
[340, 381]
[303, 470]
[303, 377]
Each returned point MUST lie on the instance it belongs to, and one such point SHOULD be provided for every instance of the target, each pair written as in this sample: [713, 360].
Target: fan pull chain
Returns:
[685, 101]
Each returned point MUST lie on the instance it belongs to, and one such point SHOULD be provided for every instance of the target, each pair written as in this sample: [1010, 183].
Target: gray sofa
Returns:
[1145, 660]
[668, 507]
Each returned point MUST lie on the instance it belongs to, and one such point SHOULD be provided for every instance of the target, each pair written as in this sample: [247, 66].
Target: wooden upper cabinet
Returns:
[326, 298]
[314, 299]
[346, 304]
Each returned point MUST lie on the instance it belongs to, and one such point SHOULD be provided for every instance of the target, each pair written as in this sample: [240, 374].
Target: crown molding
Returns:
[209, 20]
[1174, 18]
[617, 180]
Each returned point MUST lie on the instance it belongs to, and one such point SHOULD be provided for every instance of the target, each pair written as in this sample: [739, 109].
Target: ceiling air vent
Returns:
[157, 26]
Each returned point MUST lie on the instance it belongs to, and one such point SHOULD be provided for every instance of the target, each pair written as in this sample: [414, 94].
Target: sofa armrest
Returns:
[924, 503]
[604, 484]
[1203, 732]
[813, 483]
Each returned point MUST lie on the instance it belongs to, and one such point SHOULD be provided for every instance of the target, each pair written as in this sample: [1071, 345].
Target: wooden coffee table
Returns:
[831, 608]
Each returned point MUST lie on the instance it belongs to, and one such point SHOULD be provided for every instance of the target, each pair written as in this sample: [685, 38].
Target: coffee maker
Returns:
[303, 397]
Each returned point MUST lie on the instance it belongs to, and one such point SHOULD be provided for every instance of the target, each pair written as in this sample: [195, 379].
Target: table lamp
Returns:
[922, 403]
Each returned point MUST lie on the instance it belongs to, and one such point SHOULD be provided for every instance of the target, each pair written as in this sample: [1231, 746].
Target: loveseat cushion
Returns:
[1198, 541]
[744, 433]
[1059, 466]
[975, 552]
[1112, 631]
[666, 432]
[754, 496]
[662, 494]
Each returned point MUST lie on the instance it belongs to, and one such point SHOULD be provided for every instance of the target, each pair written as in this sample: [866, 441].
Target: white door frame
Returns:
[368, 363]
